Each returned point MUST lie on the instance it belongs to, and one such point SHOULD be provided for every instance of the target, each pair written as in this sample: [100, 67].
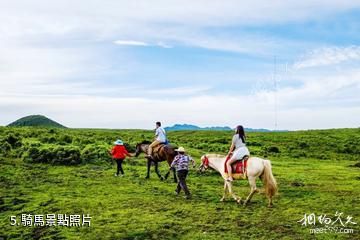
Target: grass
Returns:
[135, 208]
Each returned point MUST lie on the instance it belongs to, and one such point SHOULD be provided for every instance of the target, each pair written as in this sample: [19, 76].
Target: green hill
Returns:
[189, 127]
[35, 121]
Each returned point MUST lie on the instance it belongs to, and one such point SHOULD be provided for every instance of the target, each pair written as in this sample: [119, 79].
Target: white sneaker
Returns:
[115, 175]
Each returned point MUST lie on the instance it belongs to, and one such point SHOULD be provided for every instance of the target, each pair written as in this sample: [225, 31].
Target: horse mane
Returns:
[214, 155]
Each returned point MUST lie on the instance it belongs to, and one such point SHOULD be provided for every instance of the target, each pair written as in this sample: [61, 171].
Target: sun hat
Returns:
[180, 149]
[119, 142]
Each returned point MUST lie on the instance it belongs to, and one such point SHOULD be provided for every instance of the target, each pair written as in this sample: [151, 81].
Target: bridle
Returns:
[204, 163]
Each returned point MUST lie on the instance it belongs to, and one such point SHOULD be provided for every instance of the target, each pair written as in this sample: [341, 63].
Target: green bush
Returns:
[303, 145]
[253, 143]
[40, 154]
[272, 149]
[5, 148]
[95, 154]
[13, 140]
[300, 154]
[48, 139]
[62, 155]
[66, 155]
[65, 139]
[130, 147]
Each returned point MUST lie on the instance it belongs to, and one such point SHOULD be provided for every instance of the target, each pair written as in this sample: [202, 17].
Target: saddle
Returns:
[157, 149]
[238, 168]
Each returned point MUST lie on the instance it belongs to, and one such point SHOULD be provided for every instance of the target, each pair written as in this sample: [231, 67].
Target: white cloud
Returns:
[317, 90]
[141, 44]
[131, 43]
[112, 112]
[328, 56]
[326, 102]
[108, 21]
[163, 45]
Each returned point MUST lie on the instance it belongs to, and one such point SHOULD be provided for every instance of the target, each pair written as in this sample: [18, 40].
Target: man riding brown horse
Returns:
[160, 153]
[160, 137]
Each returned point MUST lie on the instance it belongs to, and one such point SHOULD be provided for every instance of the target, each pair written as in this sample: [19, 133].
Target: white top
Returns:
[160, 134]
[236, 140]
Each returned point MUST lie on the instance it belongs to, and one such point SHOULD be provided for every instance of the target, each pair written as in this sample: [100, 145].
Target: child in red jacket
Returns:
[119, 153]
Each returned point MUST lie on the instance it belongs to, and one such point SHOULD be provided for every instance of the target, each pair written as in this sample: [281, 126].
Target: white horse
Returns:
[256, 168]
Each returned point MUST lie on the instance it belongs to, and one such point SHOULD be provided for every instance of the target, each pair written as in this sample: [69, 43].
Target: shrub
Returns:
[37, 154]
[350, 148]
[65, 139]
[303, 145]
[83, 141]
[202, 146]
[253, 143]
[130, 147]
[298, 154]
[64, 155]
[48, 139]
[272, 149]
[5, 148]
[52, 131]
[13, 140]
[95, 154]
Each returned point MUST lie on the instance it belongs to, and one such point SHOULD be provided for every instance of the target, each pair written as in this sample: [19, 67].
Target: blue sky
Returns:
[121, 64]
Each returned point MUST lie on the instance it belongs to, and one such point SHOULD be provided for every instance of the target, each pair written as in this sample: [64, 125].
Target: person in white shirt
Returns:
[160, 137]
[238, 149]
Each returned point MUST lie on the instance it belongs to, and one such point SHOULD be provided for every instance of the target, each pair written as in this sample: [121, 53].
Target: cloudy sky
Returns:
[126, 64]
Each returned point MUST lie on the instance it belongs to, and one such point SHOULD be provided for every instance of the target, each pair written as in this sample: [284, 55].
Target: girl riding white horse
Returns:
[256, 168]
[238, 149]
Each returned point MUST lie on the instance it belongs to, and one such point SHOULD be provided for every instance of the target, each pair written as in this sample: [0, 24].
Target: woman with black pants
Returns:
[119, 154]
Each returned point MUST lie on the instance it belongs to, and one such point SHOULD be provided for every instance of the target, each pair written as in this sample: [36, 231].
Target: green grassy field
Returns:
[316, 172]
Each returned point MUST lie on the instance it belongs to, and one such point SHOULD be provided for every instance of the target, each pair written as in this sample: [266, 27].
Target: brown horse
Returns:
[160, 153]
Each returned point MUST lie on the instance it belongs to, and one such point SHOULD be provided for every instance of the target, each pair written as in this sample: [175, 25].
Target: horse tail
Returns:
[269, 180]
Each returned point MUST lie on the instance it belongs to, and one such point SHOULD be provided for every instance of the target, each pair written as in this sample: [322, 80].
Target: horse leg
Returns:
[168, 172]
[252, 182]
[157, 171]
[148, 168]
[270, 202]
[175, 178]
[225, 189]
[236, 198]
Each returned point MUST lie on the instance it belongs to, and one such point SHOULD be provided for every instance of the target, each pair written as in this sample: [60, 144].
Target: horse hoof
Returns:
[245, 203]
[161, 179]
[239, 201]
[222, 199]
[147, 177]
[270, 206]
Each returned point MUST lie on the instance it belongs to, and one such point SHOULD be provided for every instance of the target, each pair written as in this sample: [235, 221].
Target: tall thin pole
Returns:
[275, 95]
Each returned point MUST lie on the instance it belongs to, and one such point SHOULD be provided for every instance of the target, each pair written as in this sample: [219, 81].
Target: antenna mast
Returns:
[275, 95]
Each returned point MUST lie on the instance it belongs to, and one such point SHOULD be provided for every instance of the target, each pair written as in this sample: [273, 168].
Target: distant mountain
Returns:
[179, 127]
[189, 127]
[35, 121]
